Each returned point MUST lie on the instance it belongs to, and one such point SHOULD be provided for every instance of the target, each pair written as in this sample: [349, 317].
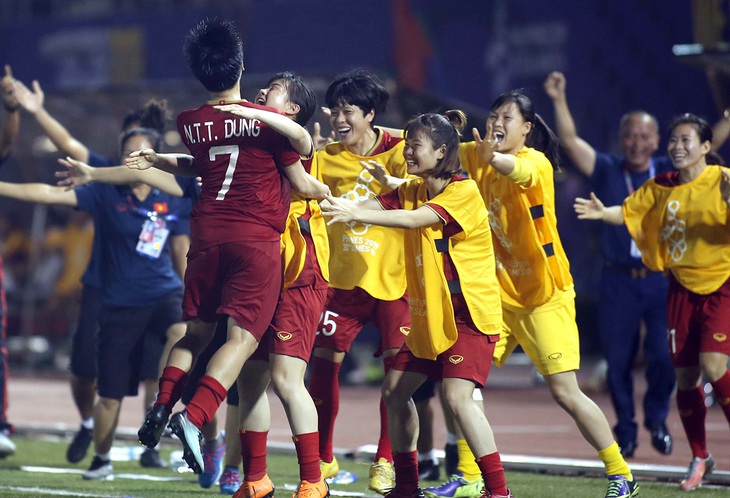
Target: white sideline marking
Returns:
[57, 470]
[48, 491]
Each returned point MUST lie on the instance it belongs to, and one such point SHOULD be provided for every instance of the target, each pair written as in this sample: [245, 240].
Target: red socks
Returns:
[406, 473]
[493, 473]
[170, 387]
[253, 454]
[307, 446]
[207, 398]
[324, 387]
[692, 412]
[384, 449]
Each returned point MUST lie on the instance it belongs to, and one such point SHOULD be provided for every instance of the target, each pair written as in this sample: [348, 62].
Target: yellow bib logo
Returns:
[719, 337]
[456, 359]
[555, 356]
[284, 336]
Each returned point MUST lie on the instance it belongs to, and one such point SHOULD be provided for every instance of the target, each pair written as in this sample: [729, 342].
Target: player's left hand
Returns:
[77, 173]
[339, 210]
[487, 147]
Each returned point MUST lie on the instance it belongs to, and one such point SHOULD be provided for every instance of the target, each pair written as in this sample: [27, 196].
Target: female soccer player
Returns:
[679, 221]
[453, 294]
[514, 170]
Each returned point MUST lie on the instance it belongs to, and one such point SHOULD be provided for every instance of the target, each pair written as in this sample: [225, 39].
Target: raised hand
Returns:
[487, 147]
[589, 209]
[6, 86]
[555, 85]
[141, 159]
[376, 170]
[76, 174]
[31, 101]
[318, 139]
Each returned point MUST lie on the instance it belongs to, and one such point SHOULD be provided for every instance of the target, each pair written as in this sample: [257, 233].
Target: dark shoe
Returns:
[151, 459]
[153, 426]
[428, 470]
[79, 445]
[628, 449]
[451, 459]
[191, 438]
[661, 440]
[100, 470]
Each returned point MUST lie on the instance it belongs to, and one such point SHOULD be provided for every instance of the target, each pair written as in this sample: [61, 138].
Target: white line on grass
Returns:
[58, 492]
[57, 470]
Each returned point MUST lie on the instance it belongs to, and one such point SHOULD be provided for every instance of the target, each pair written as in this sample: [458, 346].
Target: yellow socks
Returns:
[467, 463]
[614, 462]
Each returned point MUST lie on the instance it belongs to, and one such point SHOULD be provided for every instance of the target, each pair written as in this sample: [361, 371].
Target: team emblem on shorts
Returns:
[723, 401]
[405, 330]
[456, 359]
[284, 336]
[555, 356]
[719, 337]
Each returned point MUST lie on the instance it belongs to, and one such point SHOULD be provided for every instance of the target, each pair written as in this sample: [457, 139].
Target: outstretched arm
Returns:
[304, 183]
[78, 173]
[11, 124]
[39, 193]
[378, 172]
[593, 209]
[369, 211]
[176, 164]
[298, 135]
[579, 151]
[59, 135]
[721, 130]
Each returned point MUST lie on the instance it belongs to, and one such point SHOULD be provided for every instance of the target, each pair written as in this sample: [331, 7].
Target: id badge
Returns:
[152, 238]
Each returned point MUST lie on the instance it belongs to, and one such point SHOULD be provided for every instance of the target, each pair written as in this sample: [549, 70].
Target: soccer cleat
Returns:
[212, 465]
[263, 488]
[428, 470]
[153, 426]
[451, 459]
[457, 487]
[7, 446]
[620, 487]
[392, 494]
[698, 468]
[190, 437]
[329, 469]
[382, 476]
[489, 494]
[151, 459]
[230, 481]
[308, 489]
[79, 445]
[100, 470]
[661, 440]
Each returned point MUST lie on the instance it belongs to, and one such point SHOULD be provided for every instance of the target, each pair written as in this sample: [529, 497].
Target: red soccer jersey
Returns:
[245, 194]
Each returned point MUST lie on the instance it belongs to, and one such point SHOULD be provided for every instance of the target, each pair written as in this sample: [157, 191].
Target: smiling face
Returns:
[639, 139]
[351, 123]
[275, 95]
[685, 147]
[509, 128]
[421, 155]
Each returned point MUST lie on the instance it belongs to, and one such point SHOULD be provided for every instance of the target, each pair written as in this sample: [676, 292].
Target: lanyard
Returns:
[627, 177]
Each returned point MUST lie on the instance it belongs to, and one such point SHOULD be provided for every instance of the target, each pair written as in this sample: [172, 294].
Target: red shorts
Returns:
[347, 311]
[238, 279]
[469, 358]
[294, 326]
[697, 323]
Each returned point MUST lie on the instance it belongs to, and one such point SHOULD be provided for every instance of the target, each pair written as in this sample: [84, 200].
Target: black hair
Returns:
[441, 130]
[300, 92]
[540, 137]
[214, 52]
[703, 128]
[152, 135]
[359, 88]
[154, 114]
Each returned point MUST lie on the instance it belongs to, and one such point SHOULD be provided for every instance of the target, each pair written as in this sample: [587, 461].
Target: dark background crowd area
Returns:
[98, 59]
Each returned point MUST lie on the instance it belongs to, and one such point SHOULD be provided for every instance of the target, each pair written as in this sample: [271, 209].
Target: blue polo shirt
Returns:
[128, 278]
[609, 182]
